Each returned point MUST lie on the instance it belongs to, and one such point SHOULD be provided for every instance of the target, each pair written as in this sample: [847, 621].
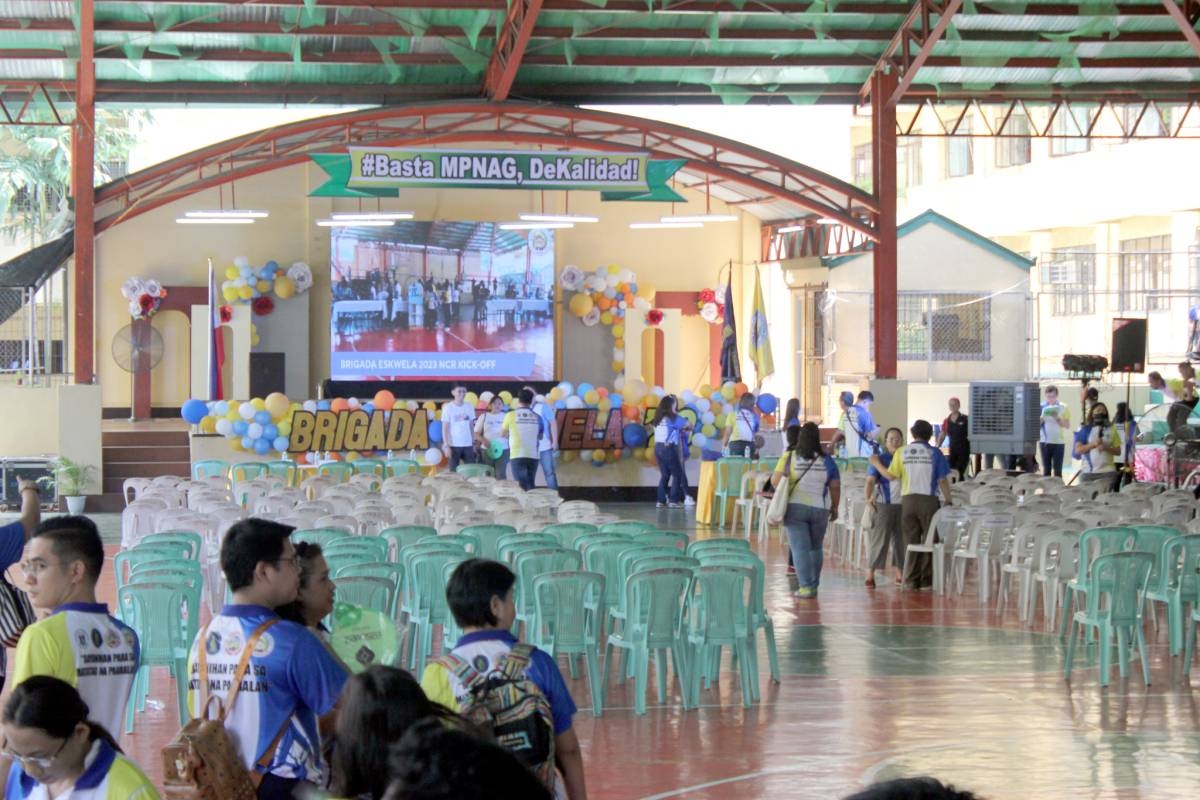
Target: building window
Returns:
[908, 164]
[1068, 131]
[863, 175]
[940, 327]
[1013, 148]
[1144, 277]
[960, 152]
[1152, 123]
[1069, 274]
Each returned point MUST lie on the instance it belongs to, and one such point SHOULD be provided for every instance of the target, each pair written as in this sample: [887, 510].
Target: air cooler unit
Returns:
[1004, 418]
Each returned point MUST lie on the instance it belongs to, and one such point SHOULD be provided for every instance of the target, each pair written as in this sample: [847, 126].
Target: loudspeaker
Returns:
[1128, 345]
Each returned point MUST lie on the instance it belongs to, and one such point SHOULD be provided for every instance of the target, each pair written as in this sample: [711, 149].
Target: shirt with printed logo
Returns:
[809, 478]
[458, 420]
[524, 429]
[107, 775]
[920, 468]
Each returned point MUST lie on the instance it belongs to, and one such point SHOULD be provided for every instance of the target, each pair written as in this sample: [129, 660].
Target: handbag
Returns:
[779, 501]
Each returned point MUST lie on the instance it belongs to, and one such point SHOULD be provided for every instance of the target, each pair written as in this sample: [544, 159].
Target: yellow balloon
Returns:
[285, 287]
[263, 286]
[604, 404]
[230, 293]
[277, 404]
[429, 405]
[619, 330]
[598, 456]
[259, 403]
[727, 391]
[236, 444]
[231, 273]
[709, 430]
[581, 304]
[208, 425]
[567, 456]
[507, 397]
[245, 292]
[591, 397]
[613, 269]
[233, 414]
[555, 394]
[706, 391]
[646, 290]
[606, 318]
[285, 427]
[471, 399]
[618, 367]
[618, 343]
[352, 456]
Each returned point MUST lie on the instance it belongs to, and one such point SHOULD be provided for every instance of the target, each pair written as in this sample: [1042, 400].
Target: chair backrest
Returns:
[426, 586]
[653, 600]
[528, 564]
[475, 471]
[743, 559]
[489, 537]
[181, 572]
[338, 470]
[947, 524]
[1095, 542]
[653, 558]
[125, 560]
[190, 539]
[165, 616]
[729, 476]
[634, 526]
[995, 532]
[355, 549]
[577, 511]
[718, 545]
[569, 532]
[369, 466]
[401, 536]
[375, 593]
[676, 539]
[506, 542]
[561, 603]
[210, 468]
[1116, 585]
[720, 605]
[320, 536]
[467, 541]
[339, 521]
[604, 557]
[1150, 539]
[247, 470]
[402, 466]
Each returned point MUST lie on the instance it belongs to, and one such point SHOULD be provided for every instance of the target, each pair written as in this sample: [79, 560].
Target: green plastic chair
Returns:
[563, 624]
[1175, 585]
[247, 470]
[338, 470]
[319, 536]
[654, 600]
[633, 527]
[427, 606]
[380, 569]
[627, 556]
[1192, 567]
[518, 541]
[1116, 584]
[190, 539]
[289, 471]
[355, 550]
[568, 532]
[719, 615]
[369, 466]
[489, 538]
[476, 471]
[729, 485]
[758, 611]
[451, 633]
[467, 541]
[210, 468]
[364, 591]
[401, 466]
[125, 561]
[401, 536]
[604, 557]
[154, 611]
[528, 564]
[718, 545]
[586, 540]
[1094, 542]
[677, 539]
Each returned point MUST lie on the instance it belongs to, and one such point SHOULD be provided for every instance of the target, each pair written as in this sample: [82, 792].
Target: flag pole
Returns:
[213, 316]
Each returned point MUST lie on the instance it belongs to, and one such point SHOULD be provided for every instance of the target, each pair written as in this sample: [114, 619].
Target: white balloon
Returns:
[241, 262]
[618, 355]
[708, 417]
[247, 410]
[704, 404]
[354, 402]
[574, 401]
[225, 427]
[309, 405]
[686, 396]
[254, 430]
[619, 383]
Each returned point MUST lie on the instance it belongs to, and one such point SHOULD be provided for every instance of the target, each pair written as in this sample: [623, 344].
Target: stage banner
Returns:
[383, 171]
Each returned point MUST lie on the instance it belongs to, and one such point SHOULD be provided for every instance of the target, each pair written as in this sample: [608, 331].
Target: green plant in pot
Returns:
[71, 479]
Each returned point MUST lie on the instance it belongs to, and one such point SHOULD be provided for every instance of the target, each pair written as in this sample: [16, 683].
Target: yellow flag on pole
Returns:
[760, 335]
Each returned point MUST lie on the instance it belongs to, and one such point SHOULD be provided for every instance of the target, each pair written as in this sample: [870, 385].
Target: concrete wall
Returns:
[50, 421]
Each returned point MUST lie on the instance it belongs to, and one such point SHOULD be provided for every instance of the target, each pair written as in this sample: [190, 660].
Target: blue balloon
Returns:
[262, 446]
[270, 431]
[368, 407]
[633, 435]
[583, 389]
[221, 408]
[767, 403]
[435, 431]
[194, 410]
[247, 443]
[559, 405]
[281, 443]
[322, 405]
[240, 426]
[263, 417]
[272, 265]
[616, 400]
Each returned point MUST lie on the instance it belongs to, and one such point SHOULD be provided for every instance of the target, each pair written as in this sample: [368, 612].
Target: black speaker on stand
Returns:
[1128, 345]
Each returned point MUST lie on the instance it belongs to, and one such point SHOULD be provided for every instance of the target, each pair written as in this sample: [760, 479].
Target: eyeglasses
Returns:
[293, 560]
[41, 762]
[34, 568]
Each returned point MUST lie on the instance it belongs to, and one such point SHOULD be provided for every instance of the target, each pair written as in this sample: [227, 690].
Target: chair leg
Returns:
[1068, 608]
[590, 660]
[1142, 654]
[1070, 660]
[1190, 649]
[772, 655]
[181, 691]
[1123, 651]
[641, 666]
[1105, 653]
[744, 675]
[608, 660]
[686, 672]
[1175, 624]
[660, 670]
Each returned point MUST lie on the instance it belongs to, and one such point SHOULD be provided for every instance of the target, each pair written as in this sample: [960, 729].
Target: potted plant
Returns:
[71, 479]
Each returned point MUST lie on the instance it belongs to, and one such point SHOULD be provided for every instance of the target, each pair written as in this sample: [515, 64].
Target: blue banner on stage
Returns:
[348, 366]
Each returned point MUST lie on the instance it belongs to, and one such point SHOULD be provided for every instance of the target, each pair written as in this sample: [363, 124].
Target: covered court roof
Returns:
[604, 51]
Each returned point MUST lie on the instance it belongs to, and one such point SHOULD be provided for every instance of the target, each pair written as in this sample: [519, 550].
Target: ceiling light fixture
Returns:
[228, 213]
[214, 221]
[701, 218]
[531, 226]
[355, 223]
[573, 218]
[372, 215]
[828, 221]
[649, 226]
[791, 229]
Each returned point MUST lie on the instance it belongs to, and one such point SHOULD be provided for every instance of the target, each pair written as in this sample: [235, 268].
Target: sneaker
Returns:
[688, 501]
[674, 505]
[806, 593]
[660, 505]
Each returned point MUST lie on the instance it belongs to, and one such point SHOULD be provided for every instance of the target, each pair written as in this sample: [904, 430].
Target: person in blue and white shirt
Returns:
[856, 429]
[1055, 428]
[548, 440]
[739, 438]
[292, 679]
[1095, 445]
[669, 429]
[813, 484]
[883, 496]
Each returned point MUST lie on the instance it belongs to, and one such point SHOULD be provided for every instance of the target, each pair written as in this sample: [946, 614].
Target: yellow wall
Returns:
[58, 420]
[152, 246]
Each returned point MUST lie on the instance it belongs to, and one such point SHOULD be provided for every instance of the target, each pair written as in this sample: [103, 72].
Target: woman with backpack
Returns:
[57, 752]
[814, 488]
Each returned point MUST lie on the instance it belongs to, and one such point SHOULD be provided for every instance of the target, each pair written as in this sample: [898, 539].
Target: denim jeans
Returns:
[805, 527]
[1052, 458]
[500, 465]
[547, 459]
[461, 455]
[524, 471]
[670, 469]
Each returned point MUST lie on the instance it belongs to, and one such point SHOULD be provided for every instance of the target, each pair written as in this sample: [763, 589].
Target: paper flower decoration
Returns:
[144, 296]
[132, 288]
[572, 278]
[707, 296]
[301, 276]
[226, 313]
[592, 318]
[262, 305]
[654, 317]
[708, 312]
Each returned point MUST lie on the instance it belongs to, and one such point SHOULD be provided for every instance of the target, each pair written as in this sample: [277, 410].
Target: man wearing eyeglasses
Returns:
[288, 677]
[79, 642]
[13, 537]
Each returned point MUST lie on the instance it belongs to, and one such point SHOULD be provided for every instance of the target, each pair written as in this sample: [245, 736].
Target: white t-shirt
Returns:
[457, 421]
[1056, 419]
[490, 426]
[1096, 460]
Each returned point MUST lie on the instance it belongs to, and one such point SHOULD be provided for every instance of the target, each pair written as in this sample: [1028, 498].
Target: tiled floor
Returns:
[879, 684]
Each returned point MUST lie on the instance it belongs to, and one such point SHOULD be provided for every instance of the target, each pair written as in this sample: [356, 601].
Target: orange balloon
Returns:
[615, 454]
[603, 392]
[384, 400]
[604, 304]
[339, 404]
[740, 389]
[630, 413]
[769, 420]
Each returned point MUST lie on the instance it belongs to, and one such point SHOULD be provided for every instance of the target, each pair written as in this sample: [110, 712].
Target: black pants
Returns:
[461, 455]
[959, 461]
[1052, 458]
[274, 787]
[741, 449]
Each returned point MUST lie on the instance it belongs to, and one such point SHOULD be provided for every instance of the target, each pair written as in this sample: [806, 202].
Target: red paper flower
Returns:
[147, 304]
[707, 296]
[262, 305]
[226, 314]
[654, 316]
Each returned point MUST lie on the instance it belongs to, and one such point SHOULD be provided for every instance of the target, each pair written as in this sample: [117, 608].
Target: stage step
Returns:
[139, 454]
[150, 438]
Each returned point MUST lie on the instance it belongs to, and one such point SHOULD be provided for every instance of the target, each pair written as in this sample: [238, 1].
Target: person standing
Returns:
[523, 428]
[1095, 445]
[883, 496]
[548, 441]
[1127, 432]
[416, 304]
[14, 535]
[669, 428]
[923, 471]
[955, 429]
[739, 437]
[458, 422]
[1056, 423]
[813, 484]
[855, 428]
[489, 434]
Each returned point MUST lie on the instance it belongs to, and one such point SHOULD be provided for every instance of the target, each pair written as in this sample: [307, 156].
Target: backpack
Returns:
[510, 706]
[201, 762]
[16, 613]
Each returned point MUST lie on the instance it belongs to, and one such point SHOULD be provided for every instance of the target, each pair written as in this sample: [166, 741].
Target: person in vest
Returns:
[1096, 444]
[923, 471]
[524, 429]
[57, 752]
[814, 489]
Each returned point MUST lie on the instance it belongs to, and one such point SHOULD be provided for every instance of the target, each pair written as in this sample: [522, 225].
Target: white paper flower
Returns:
[592, 318]
[152, 288]
[301, 275]
[135, 308]
[132, 288]
[708, 312]
[572, 278]
[641, 304]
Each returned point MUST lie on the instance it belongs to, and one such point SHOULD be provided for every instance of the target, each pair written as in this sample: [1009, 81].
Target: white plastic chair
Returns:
[577, 511]
[1022, 563]
[345, 522]
[945, 523]
[132, 488]
[1058, 563]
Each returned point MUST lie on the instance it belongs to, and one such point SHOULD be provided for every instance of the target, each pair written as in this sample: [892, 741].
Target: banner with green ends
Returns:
[383, 171]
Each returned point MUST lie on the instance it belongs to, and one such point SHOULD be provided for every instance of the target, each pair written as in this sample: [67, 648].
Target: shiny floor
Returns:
[876, 684]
